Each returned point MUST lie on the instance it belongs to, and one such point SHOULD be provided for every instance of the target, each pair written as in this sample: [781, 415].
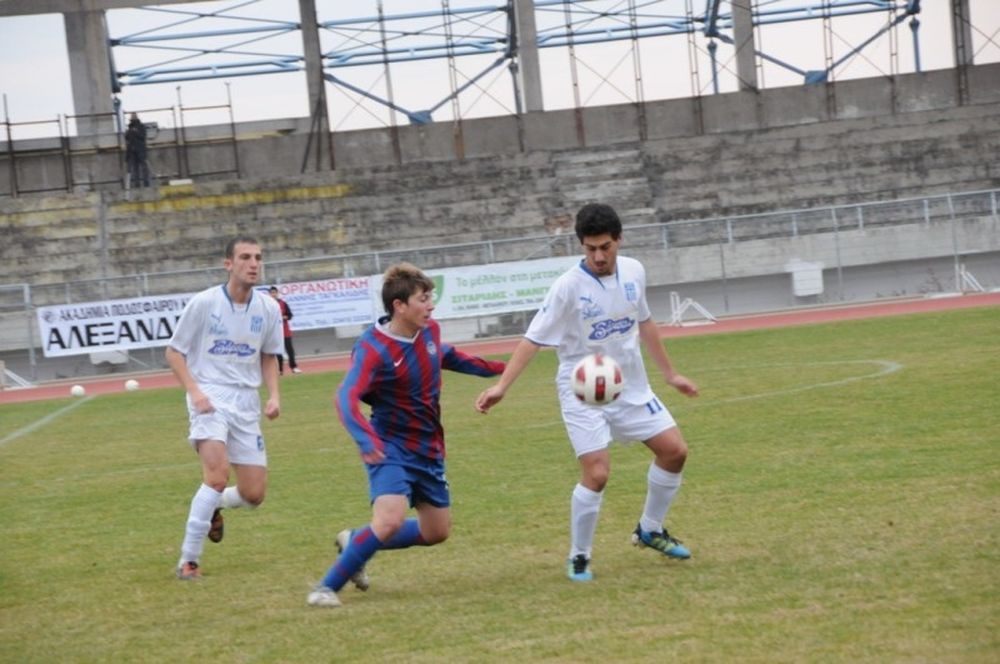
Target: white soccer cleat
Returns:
[323, 596]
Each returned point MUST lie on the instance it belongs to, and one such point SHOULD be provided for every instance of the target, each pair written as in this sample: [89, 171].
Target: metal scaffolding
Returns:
[360, 51]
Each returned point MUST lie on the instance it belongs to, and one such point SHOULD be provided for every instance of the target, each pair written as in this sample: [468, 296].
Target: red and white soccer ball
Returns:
[597, 379]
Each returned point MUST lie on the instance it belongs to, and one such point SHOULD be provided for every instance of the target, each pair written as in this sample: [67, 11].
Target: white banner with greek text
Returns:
[91, 327]
[328, 302]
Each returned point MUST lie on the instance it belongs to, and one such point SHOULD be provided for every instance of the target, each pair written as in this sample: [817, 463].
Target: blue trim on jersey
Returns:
[232, 305]
[583, 266]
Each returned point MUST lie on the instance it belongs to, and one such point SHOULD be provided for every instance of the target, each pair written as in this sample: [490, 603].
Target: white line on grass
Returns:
[886, 367]
[42, 422]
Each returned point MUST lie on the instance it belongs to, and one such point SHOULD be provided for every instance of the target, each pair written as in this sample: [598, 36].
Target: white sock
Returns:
[231, 499]
[584, 509]
[661, 490]
[205, 500]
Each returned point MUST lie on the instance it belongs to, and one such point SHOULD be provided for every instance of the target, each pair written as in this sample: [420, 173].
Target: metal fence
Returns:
[717, 237]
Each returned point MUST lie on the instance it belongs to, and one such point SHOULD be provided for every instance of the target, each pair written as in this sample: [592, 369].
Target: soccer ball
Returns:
[131, 385]
[597, 380]
[77, 391]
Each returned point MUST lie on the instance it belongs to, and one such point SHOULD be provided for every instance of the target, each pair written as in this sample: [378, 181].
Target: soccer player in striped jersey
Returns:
[396, 369]
[600, 305]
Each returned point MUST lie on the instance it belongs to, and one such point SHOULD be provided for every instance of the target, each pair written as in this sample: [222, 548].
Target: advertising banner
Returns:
[328, 302]
[113, 325]
[146, 322]
[481, 290]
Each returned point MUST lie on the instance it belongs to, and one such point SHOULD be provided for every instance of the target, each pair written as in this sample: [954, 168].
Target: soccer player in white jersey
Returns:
[600, 306]
[226, 342]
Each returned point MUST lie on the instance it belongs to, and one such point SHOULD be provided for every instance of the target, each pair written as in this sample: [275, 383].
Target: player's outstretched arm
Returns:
[455, 360]
[492, 395]
[650, 336]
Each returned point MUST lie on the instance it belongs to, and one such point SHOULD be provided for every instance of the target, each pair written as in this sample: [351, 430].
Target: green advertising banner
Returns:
[481, 290]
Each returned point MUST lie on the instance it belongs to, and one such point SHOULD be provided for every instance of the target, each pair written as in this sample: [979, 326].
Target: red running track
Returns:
[105, 385]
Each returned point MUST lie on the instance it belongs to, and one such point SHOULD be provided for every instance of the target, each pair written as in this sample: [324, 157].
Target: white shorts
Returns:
[235, 422]
[592, 428]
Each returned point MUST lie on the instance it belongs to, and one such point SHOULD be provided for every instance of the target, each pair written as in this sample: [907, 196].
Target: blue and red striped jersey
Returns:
[401, 381]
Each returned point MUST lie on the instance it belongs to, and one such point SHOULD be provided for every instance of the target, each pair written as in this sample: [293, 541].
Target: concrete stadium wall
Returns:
[796, 159]
[864, 140]
[268, 149]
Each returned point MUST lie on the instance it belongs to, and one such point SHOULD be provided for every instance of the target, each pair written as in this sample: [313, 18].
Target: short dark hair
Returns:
[239, 239]
[272, 289]
[597, 219]
[400, 282]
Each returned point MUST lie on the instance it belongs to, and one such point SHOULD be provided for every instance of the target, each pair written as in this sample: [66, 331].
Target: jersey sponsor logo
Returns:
[228, 347]
[256, 324]
[631, 294]
[590, 309]
[217, 328]
[606, 328]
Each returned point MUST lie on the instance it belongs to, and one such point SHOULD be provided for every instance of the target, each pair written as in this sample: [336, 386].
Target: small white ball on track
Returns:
[597, 379]
[77, 391]
[131, 385]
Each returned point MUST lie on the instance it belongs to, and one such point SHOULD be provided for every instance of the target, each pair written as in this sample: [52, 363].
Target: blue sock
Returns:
[405, 537]
[363, 546]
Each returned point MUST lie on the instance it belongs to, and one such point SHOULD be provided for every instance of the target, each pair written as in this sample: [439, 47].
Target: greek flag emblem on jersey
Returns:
[256, 324]
[630, 293]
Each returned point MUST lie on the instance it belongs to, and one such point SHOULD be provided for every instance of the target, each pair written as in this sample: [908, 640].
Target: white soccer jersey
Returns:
[222, 341]
[583, 314]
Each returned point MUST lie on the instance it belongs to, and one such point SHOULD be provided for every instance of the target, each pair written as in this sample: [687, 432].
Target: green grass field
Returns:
[841, 500]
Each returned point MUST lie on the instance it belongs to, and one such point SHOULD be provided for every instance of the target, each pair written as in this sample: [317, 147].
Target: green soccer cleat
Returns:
[662, 542]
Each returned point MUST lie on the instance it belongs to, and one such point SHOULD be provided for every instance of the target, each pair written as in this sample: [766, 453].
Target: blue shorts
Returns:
[427, 485]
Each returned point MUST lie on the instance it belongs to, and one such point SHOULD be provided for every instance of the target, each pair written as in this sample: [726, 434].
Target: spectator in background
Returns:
[286, 315]
[135, 153]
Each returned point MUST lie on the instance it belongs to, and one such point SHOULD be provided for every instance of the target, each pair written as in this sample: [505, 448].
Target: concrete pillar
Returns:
[961, 30]
[529, 72]
[746, 59]
[90, 71]
[313, 54]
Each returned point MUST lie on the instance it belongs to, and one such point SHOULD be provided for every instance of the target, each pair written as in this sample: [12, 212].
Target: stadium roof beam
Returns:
[32, 7]
[539, 24]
